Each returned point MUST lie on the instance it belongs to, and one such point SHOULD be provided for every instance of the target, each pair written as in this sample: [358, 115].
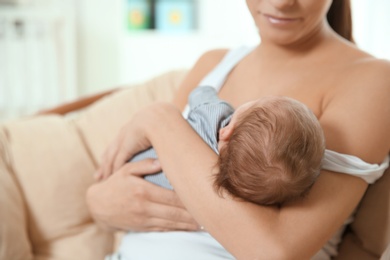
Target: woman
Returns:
[302, 57]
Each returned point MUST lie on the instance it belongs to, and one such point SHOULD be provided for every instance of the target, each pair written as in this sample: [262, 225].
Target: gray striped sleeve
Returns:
[207, 115]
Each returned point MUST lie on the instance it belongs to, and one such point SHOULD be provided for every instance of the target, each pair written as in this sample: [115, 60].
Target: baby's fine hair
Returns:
[274, 154]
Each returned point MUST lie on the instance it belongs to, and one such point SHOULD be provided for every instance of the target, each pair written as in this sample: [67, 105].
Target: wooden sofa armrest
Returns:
[77, 104]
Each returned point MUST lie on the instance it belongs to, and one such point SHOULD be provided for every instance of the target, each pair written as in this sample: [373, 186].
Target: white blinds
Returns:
[37, 58]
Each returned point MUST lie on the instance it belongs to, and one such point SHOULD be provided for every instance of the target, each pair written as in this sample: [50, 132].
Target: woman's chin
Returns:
[283, 39]
[280, 40]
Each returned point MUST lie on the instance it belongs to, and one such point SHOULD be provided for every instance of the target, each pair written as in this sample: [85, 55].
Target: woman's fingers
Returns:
[119, 152]
[160, 216]
[163, 207]
[126, 201]
[109, 155]
[106, 166]
[151, 191]
[158, 224]
[141, 168]
[121, 157]
[170, 218]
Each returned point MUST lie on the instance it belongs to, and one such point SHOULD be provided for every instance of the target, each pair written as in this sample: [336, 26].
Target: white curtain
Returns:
[371, 20]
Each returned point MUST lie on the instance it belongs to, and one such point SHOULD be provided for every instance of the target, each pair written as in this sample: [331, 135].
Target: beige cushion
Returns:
[14, 239]
[47, 163]
[100, 123]
[53, 170]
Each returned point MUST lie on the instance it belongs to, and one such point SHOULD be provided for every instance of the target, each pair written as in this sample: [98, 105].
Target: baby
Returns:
[273, 151]
[270, 152]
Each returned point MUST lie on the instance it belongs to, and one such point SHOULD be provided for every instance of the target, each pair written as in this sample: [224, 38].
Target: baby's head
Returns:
[270, 152]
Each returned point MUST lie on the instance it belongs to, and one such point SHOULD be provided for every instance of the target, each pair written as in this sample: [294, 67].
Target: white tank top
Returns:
[200, 245]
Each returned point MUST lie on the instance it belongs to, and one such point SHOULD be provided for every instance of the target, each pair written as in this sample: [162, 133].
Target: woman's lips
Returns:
[280, 20]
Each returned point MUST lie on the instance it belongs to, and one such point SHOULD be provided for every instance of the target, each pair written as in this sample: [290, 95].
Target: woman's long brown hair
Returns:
[340, 18]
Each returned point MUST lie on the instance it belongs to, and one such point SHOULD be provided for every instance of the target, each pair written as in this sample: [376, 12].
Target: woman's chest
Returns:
[307, 87]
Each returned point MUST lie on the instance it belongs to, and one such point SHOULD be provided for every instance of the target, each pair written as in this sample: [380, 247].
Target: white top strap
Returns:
[218, 75]
[353, 165]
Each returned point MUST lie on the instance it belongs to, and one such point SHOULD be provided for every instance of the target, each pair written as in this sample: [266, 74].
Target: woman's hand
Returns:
[127, 143]
[131, 139]
[128, 202]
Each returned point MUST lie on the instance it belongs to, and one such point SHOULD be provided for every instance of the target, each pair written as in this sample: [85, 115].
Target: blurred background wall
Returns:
[53, 51]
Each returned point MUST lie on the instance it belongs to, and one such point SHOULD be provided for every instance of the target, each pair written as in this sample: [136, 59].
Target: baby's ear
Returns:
[225, 133]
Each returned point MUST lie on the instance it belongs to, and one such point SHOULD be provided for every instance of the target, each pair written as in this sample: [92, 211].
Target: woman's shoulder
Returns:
[355, 113]
[371, 65]
[356, 69]
[213, 56]
[202, 67]
[366, 73]
[357, 61]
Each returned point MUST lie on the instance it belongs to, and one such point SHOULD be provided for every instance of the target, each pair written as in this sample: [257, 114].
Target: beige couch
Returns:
[47, 162]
